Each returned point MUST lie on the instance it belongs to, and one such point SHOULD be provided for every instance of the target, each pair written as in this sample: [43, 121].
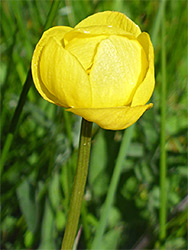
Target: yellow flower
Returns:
[102, 69]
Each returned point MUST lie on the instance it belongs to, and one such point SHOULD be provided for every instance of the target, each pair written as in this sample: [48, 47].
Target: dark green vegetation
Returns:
[40, 151]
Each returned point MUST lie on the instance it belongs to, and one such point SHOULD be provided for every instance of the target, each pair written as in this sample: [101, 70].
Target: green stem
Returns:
[52, 14]
[79, 186]
[163, 165]
[157, 23]
[113, 187]
[5, 150]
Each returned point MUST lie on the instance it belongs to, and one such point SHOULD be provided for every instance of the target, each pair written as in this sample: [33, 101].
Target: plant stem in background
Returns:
[52, 14]
[163, 164]
[157, 23]
[79, 185]
[23, 96]
[14, 120]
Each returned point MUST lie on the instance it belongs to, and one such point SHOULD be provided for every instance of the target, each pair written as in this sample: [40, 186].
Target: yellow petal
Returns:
[119, 66]
[145, 89]
[111, 18]
[90, 31]
[83, 42]
[112, 118]
[58, 33]
[62, 75]
[84, 49]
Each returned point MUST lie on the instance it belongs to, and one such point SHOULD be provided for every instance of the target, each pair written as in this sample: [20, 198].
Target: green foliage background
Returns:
[39, 167]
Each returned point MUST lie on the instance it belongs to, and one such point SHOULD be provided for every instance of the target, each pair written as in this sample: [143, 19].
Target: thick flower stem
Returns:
[79, 186]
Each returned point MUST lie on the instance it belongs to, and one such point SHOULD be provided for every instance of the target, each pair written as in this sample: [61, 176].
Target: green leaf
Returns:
[111, 239]
[99, 157]
[26, 199]
[47, 230]
[54, 191]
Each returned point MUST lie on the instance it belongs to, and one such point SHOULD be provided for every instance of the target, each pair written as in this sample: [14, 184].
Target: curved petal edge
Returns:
[112, 118]
[57, 32]
[145, 89]
[111, 18]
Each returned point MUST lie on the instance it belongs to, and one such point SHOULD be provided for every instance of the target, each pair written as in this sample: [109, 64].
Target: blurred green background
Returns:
[40, 152]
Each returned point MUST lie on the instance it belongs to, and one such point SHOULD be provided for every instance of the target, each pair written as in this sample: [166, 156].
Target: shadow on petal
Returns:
[112, 118]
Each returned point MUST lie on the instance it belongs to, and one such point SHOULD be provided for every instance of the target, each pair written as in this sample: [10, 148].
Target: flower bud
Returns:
[102, 69]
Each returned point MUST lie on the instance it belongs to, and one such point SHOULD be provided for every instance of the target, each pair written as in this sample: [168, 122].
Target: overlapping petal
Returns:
[145, 89]
[118, 68]
[112, 118]
[83, 42]
[52, 73]
[111, 18]
[84, 49]
[90, 31]
[58, 33]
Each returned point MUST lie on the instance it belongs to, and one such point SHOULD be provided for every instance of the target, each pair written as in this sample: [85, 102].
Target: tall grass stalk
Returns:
[23, 96]
[157, 23]
[163, 163]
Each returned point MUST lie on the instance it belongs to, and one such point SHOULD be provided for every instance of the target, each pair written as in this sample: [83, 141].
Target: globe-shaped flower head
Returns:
[102, 69]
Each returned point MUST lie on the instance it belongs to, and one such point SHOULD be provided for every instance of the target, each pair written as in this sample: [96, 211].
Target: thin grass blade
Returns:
[25, 90]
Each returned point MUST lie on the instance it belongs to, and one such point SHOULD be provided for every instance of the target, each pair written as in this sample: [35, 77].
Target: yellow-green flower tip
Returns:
[102, 70]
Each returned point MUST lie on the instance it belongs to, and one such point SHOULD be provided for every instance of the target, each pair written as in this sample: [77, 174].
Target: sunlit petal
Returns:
[54, 64]
[58, 33]
[111, 18]
[84, 49]
[119, 66]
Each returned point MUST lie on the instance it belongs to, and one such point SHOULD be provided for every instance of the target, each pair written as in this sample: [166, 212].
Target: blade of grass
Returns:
[163, 163]
[118, 5]
[113, 187]
[10, 31]
[14, 121]
[84, 213]
[47, 239]
[52, 14]
[66, 117]
[25, 90]
[7, 22]
[9, 68]
[33, 13]
[16, 6]
[70, 14]
[157, 23]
